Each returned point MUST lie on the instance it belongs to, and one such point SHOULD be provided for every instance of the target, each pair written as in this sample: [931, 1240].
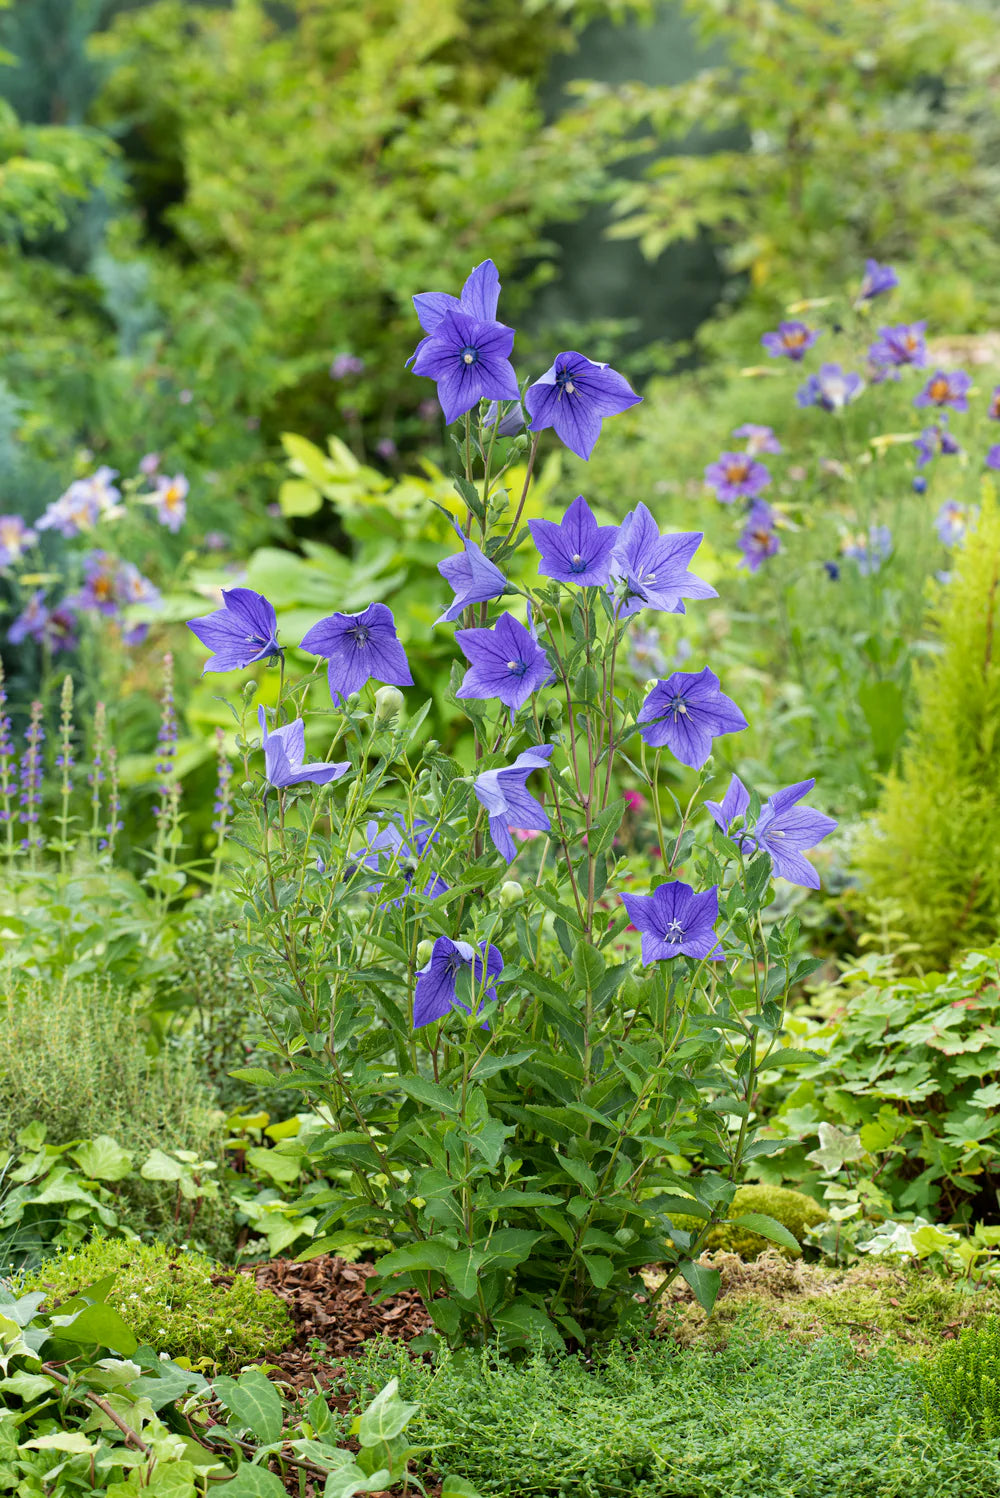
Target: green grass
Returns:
[761, 1418]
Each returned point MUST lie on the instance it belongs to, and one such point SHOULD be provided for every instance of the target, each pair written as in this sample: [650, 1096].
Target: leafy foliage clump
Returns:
[963, 1381]
[793, 1209]
[176, 1302]
[932, 844]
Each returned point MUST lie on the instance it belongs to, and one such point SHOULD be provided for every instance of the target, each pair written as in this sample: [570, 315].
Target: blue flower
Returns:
[359, 648]
[435, 994]
[676, 922]
[575, 549]
[506, 662]
[504, 794]
[686, 712]
[243, 631]
[574, 395]
[877, 280]
[473, 576]
[785, 830]
[831, 389]
[469, 359]
[285, 752]
[649, 571]
[401, 853]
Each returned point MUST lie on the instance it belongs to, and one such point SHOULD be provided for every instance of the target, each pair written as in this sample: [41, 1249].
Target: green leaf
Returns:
[281, 1167]
[73, 1441]
[102, 1159]
[704, 1282]
[347, 1481]
[97, 1324]
[430, 1093]
[252, 1482]
[161, 1167]
[385, 1417]
[457, 1487]
[767, 1227]
[253, 1402]
[28, 1386]
[836, 1148]
[600, 1269]
[605, 828]
[258, 1076]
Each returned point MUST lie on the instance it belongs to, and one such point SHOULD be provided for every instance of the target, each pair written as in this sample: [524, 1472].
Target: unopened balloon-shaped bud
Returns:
[510, 893]
[249, 690]
[389, 703]
[424, 951]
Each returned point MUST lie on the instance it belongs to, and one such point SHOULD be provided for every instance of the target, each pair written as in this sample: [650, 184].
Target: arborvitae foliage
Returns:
[932, 844]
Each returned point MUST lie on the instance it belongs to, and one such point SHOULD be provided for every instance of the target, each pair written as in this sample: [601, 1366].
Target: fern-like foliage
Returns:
[932, 844]
[963, 1382]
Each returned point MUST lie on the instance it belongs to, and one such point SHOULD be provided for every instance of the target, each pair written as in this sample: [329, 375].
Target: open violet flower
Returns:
[285, 752]
[759, 439]
[736, 476]
[792, 340]
[504, 794]
[575, 549]
[784, 829]
[435, 994]
[674, 921]
[573, 396]
[876, 281]
[479, 298]
[946, 388]
[359, 648]
[474, 578]
[243, 631]
[506, 662]
[650, 571]
[469, 358]
[685, 713]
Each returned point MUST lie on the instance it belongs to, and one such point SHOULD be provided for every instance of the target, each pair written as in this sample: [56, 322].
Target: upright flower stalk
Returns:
[30, 799]
[7, 771]
[167, 808]
[222, 805]
[64, 764]
[96, 773]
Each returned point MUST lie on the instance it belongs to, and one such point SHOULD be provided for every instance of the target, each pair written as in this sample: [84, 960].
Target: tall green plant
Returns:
[932, 845]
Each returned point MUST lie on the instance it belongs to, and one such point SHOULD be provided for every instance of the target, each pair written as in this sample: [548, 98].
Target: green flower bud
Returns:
[740, 915]
[248, 787]
[510, 893]
[389, 702]
[424, 951]
[249, 690]
[432, 746]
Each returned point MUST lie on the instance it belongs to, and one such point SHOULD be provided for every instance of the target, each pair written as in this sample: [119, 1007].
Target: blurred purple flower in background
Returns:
[953, 520]
[831, 389]
[876, 281]
[758, 439]
[345, 365]
[15, 538]
[869, 552]
[758, 539]
[936, 440]
[792, 340]
[900, 345]
[946, 388]
[736, 476]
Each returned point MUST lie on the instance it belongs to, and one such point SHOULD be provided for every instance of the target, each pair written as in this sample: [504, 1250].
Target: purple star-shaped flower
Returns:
[877, 280]
[676, 922]
[469, 358]
[243, 631]
[574, 396]
[686, 712]
[736, 476]
[784, 829]
[359, 648]
[831, 389]
[791, 341]
[651, 570]
[575, 549]
[952, 520]
[479, 298]
[758, 439]
[401, 852]
[435, 994]
[507, 662]
[285, 752]
[758, 539]
[903, 344]
[473, 576]
[504, 794]
[946, 389]
[934, 440]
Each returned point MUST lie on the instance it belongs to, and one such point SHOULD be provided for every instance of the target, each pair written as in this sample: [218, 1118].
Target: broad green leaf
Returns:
[430, 1093]
[253, 1402]
[836, 1148]
[28, 1386]
[102, 1159]
[73, 1441]
[350, 1480]
[767, 1227]
[281, 1167]
[161, 1167]
[251, 1482]
[457, 1487]
[704, 1282]
[386, 1416]
[96, 1324]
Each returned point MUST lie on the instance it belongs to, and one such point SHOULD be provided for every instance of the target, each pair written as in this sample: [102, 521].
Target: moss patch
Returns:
[909, 1311]
[793, 1209]
[170, 1300]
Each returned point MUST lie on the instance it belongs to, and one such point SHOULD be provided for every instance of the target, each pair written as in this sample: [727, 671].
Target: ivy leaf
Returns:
[102, 1159]
[386, 1417]
[253, 1402]
[836, 1148]
[252, 1482]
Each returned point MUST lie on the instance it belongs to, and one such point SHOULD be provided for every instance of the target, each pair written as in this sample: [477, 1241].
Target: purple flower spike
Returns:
[831, 389]
[504, 794]
[473, 576]
[758, 539]
[243, 631]
[676, 922]
[944, 389]
[435, 994]
[285, 752]
[758, 439]
[686, 712]
[903, 344]
[651, 570]
[574, 396]
[787, 830]
[469, 358]
[877, 280]
[359, 648]
[576, 549]
[791, 341]
[507, 662]
[736, 476]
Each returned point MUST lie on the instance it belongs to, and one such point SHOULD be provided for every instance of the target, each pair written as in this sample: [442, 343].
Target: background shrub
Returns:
[176, 1302]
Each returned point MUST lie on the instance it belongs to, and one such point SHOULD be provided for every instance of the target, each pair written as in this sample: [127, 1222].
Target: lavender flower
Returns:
[470, 360]
[99, 593]
[676, 922]
[507, 662]
[900, 345]
[831, 389]
[284, 756]
[758, 439]
[877, 280]
[243, 631]
[166, 740]
[573, 396]
[784, 830]
[758, 539]
[504, 794]
[149, 463]
[936, 440]
[869, 552]
[946, 389]
[15, 538]
[359, 648]
[791, 341]
[31, 780]
[575, 549]
[736, 476]
[650, 571]
[686, 712]
[6, 761]
[645, 652]
[345, 365]
[223, 803]
[435, 994]
[31, 621]
[401, 853]
[953, 520]
[473, 576]
[83, 504]
[170, 500]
